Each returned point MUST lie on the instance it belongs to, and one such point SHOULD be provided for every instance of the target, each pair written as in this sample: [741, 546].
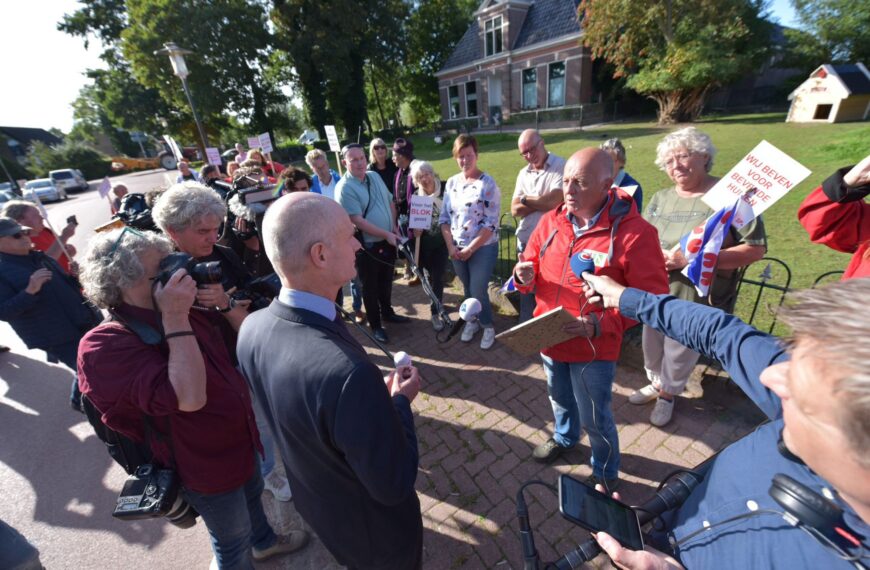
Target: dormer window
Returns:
[492, 35]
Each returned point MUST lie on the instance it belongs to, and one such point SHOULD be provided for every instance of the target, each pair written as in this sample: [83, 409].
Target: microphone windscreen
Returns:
[401, 359]
[469, 309]
[581, 263]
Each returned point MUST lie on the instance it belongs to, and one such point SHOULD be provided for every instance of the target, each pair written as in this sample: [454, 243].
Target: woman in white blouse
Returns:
[469, 224]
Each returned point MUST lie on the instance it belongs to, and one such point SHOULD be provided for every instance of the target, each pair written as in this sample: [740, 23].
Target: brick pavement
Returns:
[478, 417]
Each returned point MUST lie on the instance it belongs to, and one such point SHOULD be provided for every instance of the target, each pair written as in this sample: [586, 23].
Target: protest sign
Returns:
[420, 212]
[265, 142]
[253, 142]
[105, 187]
[332, 137]
[761, 178]
[214, 156]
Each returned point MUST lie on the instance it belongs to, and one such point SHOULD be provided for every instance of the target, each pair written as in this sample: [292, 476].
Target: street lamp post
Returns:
[176, 57]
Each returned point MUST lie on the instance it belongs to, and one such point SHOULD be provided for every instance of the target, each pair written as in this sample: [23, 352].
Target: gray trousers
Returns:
[668, 364]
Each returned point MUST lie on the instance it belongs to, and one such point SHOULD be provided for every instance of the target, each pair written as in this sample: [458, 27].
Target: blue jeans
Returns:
[580, 393]
[527, 300]
[235, 521]
[356, 293]
[475, 274]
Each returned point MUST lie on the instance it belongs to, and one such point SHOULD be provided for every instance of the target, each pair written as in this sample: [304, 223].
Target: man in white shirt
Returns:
[538, 190]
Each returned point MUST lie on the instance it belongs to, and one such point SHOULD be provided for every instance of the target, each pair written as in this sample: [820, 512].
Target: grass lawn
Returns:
[820, 147]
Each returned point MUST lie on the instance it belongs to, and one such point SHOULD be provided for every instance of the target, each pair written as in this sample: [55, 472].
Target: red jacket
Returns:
[843, 226]
[635, 260]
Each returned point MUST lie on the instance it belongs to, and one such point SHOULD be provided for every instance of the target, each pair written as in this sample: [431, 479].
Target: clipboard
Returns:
[531, 337]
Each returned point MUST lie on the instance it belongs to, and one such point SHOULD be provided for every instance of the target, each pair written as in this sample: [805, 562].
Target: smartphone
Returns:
[584, 506]
[72, 220]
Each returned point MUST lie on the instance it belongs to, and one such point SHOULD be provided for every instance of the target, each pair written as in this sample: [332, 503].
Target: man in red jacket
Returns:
[836, 215]
[600, 223]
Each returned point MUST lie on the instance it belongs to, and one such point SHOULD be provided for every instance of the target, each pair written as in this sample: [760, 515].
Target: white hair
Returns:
[690, 139]
[314, 155]
[184, 204]
[114, 263]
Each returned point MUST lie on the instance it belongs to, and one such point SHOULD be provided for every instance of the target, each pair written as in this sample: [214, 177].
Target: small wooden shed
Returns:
[832, 94]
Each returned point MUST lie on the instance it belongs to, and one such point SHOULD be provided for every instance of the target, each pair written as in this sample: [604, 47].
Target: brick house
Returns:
[517, 55]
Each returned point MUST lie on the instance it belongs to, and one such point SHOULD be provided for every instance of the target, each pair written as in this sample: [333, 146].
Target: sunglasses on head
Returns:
[19, 235]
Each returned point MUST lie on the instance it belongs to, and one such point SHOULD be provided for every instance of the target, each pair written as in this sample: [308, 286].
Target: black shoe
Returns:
[394, 318]
[381, 336]
[548, 451]
[610, 485]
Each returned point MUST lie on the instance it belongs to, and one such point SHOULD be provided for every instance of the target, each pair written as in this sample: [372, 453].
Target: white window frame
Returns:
[564, 84]
[476, 100]
[450, 113]
[492, 30]
[523, 88]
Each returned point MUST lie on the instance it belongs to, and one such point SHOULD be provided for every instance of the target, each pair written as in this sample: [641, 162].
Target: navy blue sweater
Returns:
[56, 315]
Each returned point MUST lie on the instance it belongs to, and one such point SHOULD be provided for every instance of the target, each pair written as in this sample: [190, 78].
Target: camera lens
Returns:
[182, 514]
[207, 272]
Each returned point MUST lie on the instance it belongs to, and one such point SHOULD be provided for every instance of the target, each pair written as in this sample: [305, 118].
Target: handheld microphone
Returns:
[468, 312]
[402, 360]
[582, 263]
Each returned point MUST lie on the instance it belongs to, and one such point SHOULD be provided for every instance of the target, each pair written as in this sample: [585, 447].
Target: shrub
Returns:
[42, 158]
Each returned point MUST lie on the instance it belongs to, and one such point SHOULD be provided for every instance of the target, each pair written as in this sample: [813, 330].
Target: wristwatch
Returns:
[230, 306]
[523, 201]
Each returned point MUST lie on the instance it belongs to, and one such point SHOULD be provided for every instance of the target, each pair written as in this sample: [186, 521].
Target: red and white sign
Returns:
[214, 156]
[420, 212]
[764, 176]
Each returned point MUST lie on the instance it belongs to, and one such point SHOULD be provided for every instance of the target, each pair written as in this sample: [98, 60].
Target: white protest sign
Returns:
[214, 156]
[332, 137]
[420, 210]
[265, 143]
[764, 176]
[105, 187]
[253, 142]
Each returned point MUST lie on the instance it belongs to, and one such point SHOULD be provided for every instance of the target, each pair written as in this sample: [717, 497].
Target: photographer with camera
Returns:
[191, 214]
[160, 364]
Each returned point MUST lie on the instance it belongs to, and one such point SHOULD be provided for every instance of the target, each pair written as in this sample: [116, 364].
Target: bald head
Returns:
[531, 147]
[294, 224]
[587, 178]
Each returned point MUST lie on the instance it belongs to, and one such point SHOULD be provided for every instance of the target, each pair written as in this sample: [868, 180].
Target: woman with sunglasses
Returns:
[469, 224]
[380, 163]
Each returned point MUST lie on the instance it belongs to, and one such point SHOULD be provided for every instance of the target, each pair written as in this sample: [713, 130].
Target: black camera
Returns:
[260, 292]
[152, 492]
[204, 273]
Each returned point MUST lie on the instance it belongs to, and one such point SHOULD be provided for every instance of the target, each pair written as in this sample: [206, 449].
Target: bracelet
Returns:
[179, 333]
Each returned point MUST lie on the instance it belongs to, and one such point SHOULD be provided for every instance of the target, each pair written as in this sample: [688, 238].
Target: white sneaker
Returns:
[468, 331]
[644, 396]
[437, 324]
[278, 486]
[488, 338]
[662, 412]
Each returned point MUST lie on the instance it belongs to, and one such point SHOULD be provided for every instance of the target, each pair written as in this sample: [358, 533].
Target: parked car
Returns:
[10, 187]
[69, 179]
[45, 189]
[6, 195]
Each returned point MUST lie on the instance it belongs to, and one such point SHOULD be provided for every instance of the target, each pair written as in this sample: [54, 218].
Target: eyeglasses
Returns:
[532, 149]
[681, 158]
[380, 147]
[117, 243]
[19, 235]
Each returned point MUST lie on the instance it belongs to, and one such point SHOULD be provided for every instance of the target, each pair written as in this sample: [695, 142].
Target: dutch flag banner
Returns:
[701, 248]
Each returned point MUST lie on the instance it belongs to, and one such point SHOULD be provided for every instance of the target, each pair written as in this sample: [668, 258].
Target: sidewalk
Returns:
[478, 416]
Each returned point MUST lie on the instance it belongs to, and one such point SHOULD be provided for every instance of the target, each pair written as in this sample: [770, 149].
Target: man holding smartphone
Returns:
[813, 390]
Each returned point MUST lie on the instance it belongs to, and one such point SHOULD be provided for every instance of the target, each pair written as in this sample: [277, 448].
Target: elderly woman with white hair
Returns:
[687, 156]
[433, 250]
[161, 359]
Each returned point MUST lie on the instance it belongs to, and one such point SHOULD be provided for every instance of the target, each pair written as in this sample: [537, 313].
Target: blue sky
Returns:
[44, 67]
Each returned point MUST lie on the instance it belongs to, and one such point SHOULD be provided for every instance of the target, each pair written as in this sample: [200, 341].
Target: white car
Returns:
[45, 189]
[69, 179]
[308, 137]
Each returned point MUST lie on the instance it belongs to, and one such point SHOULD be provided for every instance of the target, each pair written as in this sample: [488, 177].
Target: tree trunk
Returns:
[682, 106]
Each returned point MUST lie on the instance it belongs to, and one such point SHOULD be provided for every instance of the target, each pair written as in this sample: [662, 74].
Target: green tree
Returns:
[836, 30]
[42, 158]
[677, 51]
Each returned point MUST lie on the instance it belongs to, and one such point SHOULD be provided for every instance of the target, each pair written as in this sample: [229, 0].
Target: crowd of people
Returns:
[176, 346]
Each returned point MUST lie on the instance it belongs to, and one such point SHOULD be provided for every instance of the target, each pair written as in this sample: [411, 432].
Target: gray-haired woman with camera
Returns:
[160, 359]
